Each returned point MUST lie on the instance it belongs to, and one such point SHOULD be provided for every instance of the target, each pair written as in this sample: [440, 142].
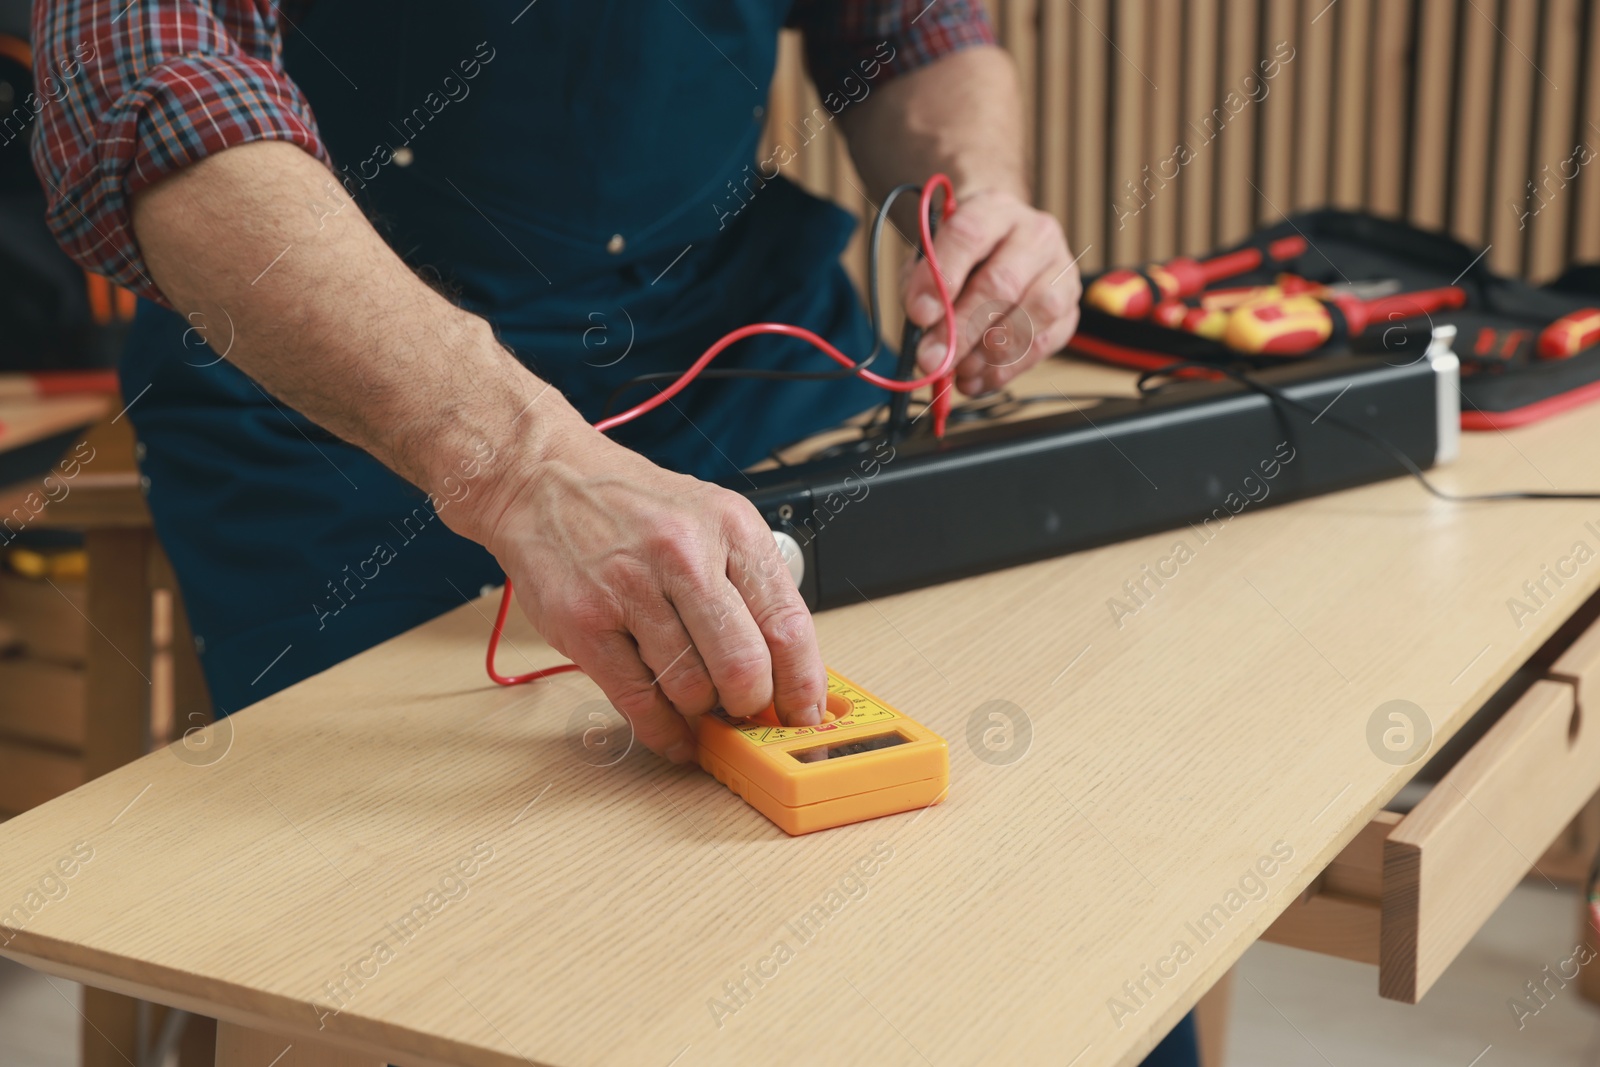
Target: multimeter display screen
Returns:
[849, 748]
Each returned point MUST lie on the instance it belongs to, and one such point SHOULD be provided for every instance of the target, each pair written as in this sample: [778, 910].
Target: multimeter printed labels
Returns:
[863, 710]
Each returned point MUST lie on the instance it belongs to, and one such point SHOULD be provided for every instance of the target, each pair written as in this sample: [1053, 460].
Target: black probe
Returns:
[900, 403]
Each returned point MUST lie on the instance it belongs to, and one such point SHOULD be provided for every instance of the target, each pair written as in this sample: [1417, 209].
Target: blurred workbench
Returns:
[400, 862]
[94, 669]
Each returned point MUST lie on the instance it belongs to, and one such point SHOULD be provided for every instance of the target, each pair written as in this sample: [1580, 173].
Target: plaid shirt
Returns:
[138, 89]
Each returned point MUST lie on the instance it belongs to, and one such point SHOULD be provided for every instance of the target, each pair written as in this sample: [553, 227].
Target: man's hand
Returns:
[668, 591]
[1015, 286]
[1006, 265]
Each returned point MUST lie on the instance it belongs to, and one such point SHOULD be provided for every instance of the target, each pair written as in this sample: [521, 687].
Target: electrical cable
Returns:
[1382, 443]
[941, 379]
[874, 316]
[987, 407]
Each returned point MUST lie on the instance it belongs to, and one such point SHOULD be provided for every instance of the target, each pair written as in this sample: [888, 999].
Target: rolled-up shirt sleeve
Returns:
[879, 39]
[127, 93]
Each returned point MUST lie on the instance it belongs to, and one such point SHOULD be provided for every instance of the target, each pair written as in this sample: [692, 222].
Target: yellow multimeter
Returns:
[864, 760]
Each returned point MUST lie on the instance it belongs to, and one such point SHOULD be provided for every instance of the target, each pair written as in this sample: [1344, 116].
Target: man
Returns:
[575, 181]
[396, 256]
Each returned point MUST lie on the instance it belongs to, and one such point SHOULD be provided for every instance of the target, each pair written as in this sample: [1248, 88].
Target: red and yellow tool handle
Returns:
[1570, 334]
[1132, 294]
[1295, 325]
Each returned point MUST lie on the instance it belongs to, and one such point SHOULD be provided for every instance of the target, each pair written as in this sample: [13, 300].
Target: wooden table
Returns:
[398, 860]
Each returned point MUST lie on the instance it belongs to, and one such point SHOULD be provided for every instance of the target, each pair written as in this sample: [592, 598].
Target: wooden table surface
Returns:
[445, 852]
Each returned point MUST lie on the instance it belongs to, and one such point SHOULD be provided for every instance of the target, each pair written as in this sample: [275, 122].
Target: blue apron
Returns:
[583, 174]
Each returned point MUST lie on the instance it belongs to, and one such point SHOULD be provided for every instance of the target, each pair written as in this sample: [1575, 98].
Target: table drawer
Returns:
[48, 618]
[42, 701]
[32, 774]
[1409, 892]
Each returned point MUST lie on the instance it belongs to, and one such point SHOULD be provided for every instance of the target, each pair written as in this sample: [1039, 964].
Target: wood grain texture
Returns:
[1168, 756]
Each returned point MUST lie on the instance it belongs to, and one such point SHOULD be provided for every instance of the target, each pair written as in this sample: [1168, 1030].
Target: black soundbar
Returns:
[922, 511]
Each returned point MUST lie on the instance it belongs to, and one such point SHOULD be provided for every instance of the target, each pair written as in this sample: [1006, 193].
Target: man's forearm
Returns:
[281, 273]
[961, 114]
[659, 587]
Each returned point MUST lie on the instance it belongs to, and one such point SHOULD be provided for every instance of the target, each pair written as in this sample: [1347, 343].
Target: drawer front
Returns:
[1458, 855]
[48, 619]
[42, 701]
[33, 774]
[1409, 893]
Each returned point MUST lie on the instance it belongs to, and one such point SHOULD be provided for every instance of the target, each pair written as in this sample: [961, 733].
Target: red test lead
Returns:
[942, 380]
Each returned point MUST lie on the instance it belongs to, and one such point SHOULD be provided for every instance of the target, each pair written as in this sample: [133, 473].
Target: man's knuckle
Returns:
[741, 521]
[744, 671]
[801, 690]
[677, 547]
[966, 227]
[1054, 303]
[788, 627]
[635, 699]
[1003, 281]
[690, 684]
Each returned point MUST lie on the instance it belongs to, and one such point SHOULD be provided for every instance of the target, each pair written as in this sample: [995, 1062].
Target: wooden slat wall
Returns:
[1586, 228]
[1474, 116]
[1518, 42]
